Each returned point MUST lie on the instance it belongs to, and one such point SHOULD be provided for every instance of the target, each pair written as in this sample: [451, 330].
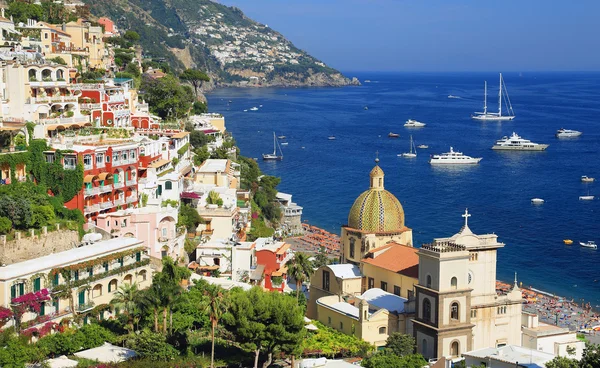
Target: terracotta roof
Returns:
[395, 257]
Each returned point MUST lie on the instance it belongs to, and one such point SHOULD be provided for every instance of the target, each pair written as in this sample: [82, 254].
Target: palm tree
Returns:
[301, 269]
[150, 299]
[216, 307]
[127, 297]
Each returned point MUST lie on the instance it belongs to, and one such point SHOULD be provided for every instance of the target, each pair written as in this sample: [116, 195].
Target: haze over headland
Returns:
[395, 35]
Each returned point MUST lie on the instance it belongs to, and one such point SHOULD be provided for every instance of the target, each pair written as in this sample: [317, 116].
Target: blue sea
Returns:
[325, 176]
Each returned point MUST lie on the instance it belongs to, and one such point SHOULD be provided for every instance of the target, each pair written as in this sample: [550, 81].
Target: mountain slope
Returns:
[232, 48]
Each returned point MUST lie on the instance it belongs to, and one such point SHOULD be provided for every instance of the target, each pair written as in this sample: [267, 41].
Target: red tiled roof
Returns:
[397, 258]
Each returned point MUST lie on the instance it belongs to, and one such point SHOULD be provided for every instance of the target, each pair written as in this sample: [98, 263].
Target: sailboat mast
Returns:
[500, 97]
[485, 98]
[274, 145]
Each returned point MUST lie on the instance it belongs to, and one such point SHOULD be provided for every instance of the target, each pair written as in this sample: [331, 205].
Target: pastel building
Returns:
[106, 104]
[92, 283]
[87, 37]
[271, 259]
[291, 214]
[219, 172]
[340, 279]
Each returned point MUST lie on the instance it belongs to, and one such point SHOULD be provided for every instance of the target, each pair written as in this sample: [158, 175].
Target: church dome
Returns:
[376, 210]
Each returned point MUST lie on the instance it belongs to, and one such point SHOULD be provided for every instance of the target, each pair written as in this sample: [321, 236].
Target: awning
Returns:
[159, 163]
[89, 178]
[283, 248]
[282, 271]
[186, 170]
[180, 135]
[103, 176]
[257, 274]
[208, 268]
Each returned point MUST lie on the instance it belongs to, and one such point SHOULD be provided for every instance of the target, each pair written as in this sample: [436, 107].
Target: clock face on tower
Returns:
[470, 277]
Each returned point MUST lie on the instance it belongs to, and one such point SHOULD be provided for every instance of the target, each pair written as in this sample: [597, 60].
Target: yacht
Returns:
[587, 197]
[411, 123]
[281, 137]
[453, 158]
[517, 143]
[254, 108]
[452, 96]
[567, 133]
[273, 156]
[422, 146]
[589, 244]
[537, 201]
[587, 179]
[502, 99]
[393, 135]
[331, 137]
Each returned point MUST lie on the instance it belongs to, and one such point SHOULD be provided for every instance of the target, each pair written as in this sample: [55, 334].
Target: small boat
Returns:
[567, 133]
[366, 107]
[452, 96]
[568, 241]
[422, 146]
[587, 197]
[587, 179]
[273, 156]
[589, 244]
[537, 201]
[393, 135]
[281, 137]
[254, 108]
[367, 81]
[411, 123]
[502, 98]
[284, 143]
[245, 110]
[230, 101]
[413, 152]
[331, 137]
[259, 105]
[517, 143]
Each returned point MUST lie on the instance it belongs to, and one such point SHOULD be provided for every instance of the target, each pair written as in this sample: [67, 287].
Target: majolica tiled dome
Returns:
[376, 210]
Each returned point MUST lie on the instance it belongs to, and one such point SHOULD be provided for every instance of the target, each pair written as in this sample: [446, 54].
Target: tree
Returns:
[150, 299]
[189, 217]
[199, 108]
[152, 346]
[58, 60]
[126, 298]
[94, 335]
[167, 97]
[216, 307]
[131, 36]
[591, 356]
[195, 78]
[199, 139]
[166, 285]
[5, 225]
[382, 360]
[300, 268]
[400, 344]
[264, 322]
[21, 11]
[562, 362]
[321, 259]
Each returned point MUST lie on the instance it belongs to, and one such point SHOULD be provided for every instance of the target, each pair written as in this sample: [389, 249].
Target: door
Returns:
[82, 297]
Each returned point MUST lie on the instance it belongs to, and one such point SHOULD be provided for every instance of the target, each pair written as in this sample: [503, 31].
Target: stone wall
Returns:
[24, 248]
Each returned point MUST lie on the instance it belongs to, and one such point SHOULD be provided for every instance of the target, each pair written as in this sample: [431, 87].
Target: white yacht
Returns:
[422, 146]
[537, 201]
[589, 244]
[567, 133]
[517, 143]
[502, 99]
[587, 179]
[453, 158]
[254, 108]
[411, 123]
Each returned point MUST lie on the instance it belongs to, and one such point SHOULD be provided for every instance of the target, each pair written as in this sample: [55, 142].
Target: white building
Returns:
[508, 356]
[550, 339]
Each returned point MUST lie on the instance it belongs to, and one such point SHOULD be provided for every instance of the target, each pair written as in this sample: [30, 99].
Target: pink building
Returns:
[109, 26]
[271, 259]
[156, 227]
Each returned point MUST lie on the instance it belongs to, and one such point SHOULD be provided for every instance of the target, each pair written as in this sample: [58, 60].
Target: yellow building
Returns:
[341, 279]
[86, 37]
[375, 219]
[393, 268]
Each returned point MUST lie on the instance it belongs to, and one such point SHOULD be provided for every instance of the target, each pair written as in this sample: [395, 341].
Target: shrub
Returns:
[5, 225]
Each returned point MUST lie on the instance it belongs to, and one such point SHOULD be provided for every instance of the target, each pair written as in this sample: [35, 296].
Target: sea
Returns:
[325, 176]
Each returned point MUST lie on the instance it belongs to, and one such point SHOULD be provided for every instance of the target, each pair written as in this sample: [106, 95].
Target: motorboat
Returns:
[587, 179]
[393, 135]
[567, 133]
[411, 123]
[273, 156]
[568, 241]
[413, 151]
[246, 110]
[284, 143]
[281, 137]
[537, 201]
[422, 146]
[517, 143]
[366, 107]
[586, 198]
[254, 108]
[452, 96]
[503, 99]
[331, 137]
[453, 158]
[589, 244]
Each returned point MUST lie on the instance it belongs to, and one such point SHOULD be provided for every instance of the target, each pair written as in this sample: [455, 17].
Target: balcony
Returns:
[116, 98]
[92, 208]
[131, 182]
[119, 202]
[85, 307]
[107, 204]
[118, 185]
[132, 198]
[105, 188]
[70, 167]
[90, 106]
[48, 83]
[92, 191]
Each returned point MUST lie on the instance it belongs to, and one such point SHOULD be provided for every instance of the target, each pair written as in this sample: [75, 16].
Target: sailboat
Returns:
[413, 150]
[502, 98]
[273, 156]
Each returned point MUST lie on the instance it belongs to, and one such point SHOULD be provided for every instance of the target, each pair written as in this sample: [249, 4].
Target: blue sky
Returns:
[438, 35]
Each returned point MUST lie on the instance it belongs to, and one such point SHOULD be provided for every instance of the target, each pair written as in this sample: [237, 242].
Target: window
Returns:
[138, 256]
[371, 283]
[46, 36]
[115, 158]
[427, 310]
[124, 223]
[410, 294]
[329, 321]
[112, 285]
[142, 275]
[473, 313]
[502, 309]
[76, 275]
[382, 330]
[429, 281]
[97, 291]
[453, 283]
[424, 348]
[124, 156]
[87, 160]
[326, 281]
[396, 290]
[454, 349]
[164, 232]
[341, 326]
[37, 284]
[384, 286]
[55, 280]
[352, 247]
[121, 262]
[168, 185]
[70, 162]
[132, 155]
[454, 311]
[17, 290]
[107, 158]
[105, 265]
[90, 271]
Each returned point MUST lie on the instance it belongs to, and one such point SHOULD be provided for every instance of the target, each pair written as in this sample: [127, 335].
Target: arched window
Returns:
[429, 281]
[454, 311]
[427, 310]
[168, 185]
[352, 247]
[142, 275]
[128, 279]
[382, 330]
[32, 75]
[112, 285]
[454, 349]
[453, 283]
[97, 291]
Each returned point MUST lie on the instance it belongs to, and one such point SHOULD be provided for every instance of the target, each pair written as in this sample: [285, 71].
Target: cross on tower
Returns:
[466, 216]
[376, 157]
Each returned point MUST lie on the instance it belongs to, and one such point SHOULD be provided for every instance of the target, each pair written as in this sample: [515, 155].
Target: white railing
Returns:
[105, 205]
[106, 188]
[116, 98]
[99, 165]
[90, 209]
[119, 202]
[92, 191]
[131, 182]
[90, 106]
[118, 185]
[132, 198]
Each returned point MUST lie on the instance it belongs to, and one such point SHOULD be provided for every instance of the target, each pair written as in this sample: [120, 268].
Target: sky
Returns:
[438, 35]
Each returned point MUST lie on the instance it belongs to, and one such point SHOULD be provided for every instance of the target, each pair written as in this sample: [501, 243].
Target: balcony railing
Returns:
[90, 106]
[132, 198]
[131, 182]
[92, 208]
[70, 167]
[92, 191]
[85, 307]
[118, 185]
[107, 204]
[106, 188]
[119, 202]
